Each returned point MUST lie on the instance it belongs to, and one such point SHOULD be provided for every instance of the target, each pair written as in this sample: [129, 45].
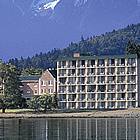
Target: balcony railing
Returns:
[81, 82]
[91, 82]
[101, 65]
[62, 100]
[111, 82]
[90, 65]
[111, 90]
[91, 99]
[81, 99]
[91, 90]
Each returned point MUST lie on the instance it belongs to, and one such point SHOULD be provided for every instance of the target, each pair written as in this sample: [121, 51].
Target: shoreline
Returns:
[126, 113]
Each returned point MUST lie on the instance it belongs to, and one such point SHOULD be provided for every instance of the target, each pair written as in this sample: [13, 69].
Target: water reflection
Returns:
[69, 129]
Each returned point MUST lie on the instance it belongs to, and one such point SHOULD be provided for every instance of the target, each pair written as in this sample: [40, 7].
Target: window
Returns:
[28, 90]
[50, 90]
[50, 82]
[43, 90]
[35, 91]
[43, 83]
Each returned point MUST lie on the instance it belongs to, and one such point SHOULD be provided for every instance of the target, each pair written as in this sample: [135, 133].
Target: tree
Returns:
[132, 48]
[10, 93]
[32, 71]
[45, 101]
[54, 100]
[34, 103]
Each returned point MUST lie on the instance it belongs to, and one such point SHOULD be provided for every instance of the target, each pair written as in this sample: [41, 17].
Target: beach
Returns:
[124, 113]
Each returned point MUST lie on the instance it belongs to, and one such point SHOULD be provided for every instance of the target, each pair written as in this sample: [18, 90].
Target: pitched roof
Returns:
[53, 72]
[30, 78]
[98, 57]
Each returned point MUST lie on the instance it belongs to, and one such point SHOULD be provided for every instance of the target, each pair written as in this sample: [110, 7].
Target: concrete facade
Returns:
[98, 81]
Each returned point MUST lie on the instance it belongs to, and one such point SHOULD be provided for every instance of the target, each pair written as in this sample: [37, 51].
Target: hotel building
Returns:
[98, 81]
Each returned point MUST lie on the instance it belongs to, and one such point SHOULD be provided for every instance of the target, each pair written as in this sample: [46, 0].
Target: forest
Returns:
[110, 43]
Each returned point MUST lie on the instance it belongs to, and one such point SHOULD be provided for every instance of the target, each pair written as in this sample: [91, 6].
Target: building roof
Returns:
[98, 57]
[53, 72]
[30, 78]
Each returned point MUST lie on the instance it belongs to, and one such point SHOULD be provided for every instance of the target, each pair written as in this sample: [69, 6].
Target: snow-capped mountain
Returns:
[41, 25]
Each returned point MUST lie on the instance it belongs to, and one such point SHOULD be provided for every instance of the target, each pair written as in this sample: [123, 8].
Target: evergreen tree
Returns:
[132, 48]
[10, 93]
[32, 71]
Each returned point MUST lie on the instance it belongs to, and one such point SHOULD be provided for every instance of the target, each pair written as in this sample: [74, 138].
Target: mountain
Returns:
[32, 26]
[110, 43]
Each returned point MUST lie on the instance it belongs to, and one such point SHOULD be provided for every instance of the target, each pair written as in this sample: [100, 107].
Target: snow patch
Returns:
[51, 5]
[46, 4]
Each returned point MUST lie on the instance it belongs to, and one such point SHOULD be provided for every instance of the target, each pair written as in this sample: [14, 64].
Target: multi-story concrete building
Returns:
[39, 84]
[98, 81]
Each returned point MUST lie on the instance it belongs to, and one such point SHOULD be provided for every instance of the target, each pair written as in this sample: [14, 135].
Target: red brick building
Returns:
[39, 84]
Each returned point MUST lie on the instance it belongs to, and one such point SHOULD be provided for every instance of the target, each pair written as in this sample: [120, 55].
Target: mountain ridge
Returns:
[110, 43]
[28, 32]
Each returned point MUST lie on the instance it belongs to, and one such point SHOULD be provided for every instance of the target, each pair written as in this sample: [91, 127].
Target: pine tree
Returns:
[10, 95]
[132, 48]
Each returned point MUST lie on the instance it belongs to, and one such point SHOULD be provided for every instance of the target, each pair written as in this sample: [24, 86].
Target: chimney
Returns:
[76, 54]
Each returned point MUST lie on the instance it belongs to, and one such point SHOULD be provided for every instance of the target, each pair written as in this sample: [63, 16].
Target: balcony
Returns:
[62, 66]
[111, 82]
[91, 99]
[121, 81]
[120, 98]
[110, 65]
[131, 98]
[62, 99]
[72, 91]
[62, 91]
[81, 91]
[111, 90]
[81, 74]
[131, 81]
[62, 74]
[70, 83]
[101, 82]
[121, 73]
[91, 90]
[72, 66]
[71, 74]
[111, 98]
[129, 89]
[101, 73]
[91, 82]
[110, 73]
[71, 99]
[91, 74]
[101, 65]
[62, 84]
[131, 72]
[81, 66]
[121, 64]
[90, 65]
[81, 82]
[121, 90]
[82, 99]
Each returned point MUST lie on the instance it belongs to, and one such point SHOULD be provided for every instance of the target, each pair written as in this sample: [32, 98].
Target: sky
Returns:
[24, 34]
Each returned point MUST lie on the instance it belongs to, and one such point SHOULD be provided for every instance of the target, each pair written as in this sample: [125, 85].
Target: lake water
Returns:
[69, 129]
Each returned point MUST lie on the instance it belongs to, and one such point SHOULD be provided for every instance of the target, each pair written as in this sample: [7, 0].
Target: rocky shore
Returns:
[125, 113]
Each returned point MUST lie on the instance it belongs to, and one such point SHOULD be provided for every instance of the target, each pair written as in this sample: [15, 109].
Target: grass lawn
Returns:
[17, 110]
